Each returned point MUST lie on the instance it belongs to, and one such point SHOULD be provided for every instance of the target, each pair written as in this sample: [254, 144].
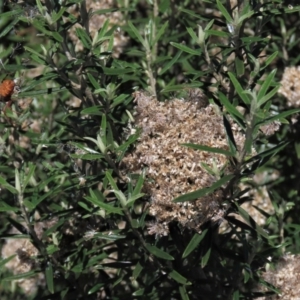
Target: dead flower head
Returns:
[174, 169]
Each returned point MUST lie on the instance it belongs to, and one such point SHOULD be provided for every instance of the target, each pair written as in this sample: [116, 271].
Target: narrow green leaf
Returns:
[57, 36]
[139, 185]
[132, 199]
[186, 49]
[270, 59]
[239, 66]
[138, 36]
[10, 13]
[183, 293]
[159, 253]
[266, 84]
[119, 100]
[160, 32]
[103, 29]
[121, 197]
[193, 14]
[217, 33]
[6, 260]
[251, 222]
[7, 208]
[49, 277]
[8, 27]
[20, 276]
[93, 81]
[178, 277]
[83, 37]
[194, 242]
[208, 149]
[229, 107]
[205, 258]
[193, 35]
[137, 270]
[224, 12]
[111, 181]
[209, 25]
[58, 15]
[107, 207]
[103, 128]
[202, 192]
[95, 288]
[139, 292]
[28, 176]
[245, 16]
[281, 115]
[6, 185]
[239, 89]
[267, 97]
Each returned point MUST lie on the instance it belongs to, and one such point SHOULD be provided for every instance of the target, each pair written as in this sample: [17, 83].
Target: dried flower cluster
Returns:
[173, 169]
[271, 128]
[290, 86]
[97, 21]
[25, 259]
[285, 277]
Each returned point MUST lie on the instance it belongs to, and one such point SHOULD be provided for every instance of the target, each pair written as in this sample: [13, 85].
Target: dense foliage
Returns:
[148, 150]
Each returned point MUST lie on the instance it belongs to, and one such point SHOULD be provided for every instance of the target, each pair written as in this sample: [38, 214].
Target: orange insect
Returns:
[7, 89]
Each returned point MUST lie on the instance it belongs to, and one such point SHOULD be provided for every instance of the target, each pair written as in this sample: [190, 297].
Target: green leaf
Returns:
[239, 66]
[205, 258]
[160, 32]
[139, 292]
[49, 277]
[250, 221]
[186, 49]
[84, 38]
[6, 260]
[183, 293]
[8, 186]
[20, 276]
[139, 185]
[193, 35]
[224, 12]
[231, 109]
[280, 116]
[119, 100]
[178, 277]
[138, 36]
[111, 181]
[265, 86]
[270, 59]
[208, 149]
[56, 16]
[95, 288]
[7, 208]
[239, 89]
[267, 97]
[159, 253]
[194, 242]
[57, 37]
[217, 33]
[132, 199]
[193, 13]
[9, 27]
[28, 176]
[92, 110]
[107, 207]
[202, 192]
[93, 81]
[137, 270]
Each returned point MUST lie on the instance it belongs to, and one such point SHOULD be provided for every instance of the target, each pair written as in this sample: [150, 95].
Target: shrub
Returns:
[145, 150]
